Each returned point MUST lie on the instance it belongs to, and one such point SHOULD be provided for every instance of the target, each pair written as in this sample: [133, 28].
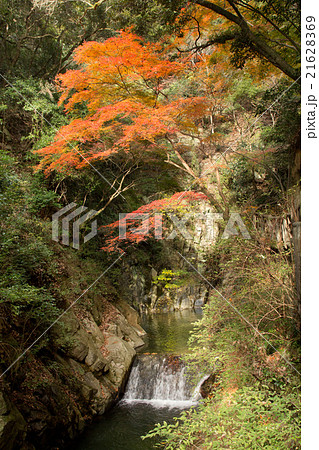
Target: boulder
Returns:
[131, 316]
[121, 357]
[127, 332]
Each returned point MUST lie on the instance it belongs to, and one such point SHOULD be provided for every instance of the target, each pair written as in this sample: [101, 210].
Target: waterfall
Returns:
[161, 381]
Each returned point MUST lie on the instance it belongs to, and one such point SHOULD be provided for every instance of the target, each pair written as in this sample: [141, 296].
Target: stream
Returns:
[157, 388]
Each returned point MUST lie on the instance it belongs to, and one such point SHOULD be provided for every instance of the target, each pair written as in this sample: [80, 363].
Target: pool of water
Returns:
[122, 427]
[168, 332]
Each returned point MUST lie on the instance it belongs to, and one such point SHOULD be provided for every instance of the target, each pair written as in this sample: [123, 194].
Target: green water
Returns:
[168, 332]
[121, 428]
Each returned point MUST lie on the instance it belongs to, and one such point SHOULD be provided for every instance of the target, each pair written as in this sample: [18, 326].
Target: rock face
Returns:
[87, 372]
[194, 243]
[186, 297]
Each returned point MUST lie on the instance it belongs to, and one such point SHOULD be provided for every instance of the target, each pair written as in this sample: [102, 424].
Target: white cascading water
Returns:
[161, 381]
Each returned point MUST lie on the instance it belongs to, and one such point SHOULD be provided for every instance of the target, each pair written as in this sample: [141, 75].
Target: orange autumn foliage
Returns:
[120, 86]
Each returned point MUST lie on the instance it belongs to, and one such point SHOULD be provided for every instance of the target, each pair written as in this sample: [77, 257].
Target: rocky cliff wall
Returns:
[82, 376]
[137, 280]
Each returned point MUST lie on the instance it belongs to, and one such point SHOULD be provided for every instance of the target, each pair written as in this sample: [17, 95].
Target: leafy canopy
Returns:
[117, 101]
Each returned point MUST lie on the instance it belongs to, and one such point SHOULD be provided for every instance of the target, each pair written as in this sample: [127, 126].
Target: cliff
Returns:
[78, 380]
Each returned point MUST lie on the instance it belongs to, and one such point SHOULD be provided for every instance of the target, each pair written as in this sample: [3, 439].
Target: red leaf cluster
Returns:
[141, 224]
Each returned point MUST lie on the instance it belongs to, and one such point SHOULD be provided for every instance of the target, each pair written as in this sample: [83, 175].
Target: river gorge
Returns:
[157, 390]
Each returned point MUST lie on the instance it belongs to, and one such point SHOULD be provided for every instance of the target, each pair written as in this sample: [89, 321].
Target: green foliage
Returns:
[247, 333]
[243, 93]
[185, 87]
[10, 188]
[259, 286]
[26, 261]
[42, 200]
[260, 176]
[31, 104]
[241, 50]
[37, 40]
[249, 418]
[151, 19]
[31, 302]
[286, 111]
[169, 279]
[256, 185]
[241, 180]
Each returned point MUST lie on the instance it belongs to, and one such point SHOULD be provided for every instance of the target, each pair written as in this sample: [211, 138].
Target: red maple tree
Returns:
[117, 102]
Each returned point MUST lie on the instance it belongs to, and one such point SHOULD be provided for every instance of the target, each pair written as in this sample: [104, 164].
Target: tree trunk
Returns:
[257, 43]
